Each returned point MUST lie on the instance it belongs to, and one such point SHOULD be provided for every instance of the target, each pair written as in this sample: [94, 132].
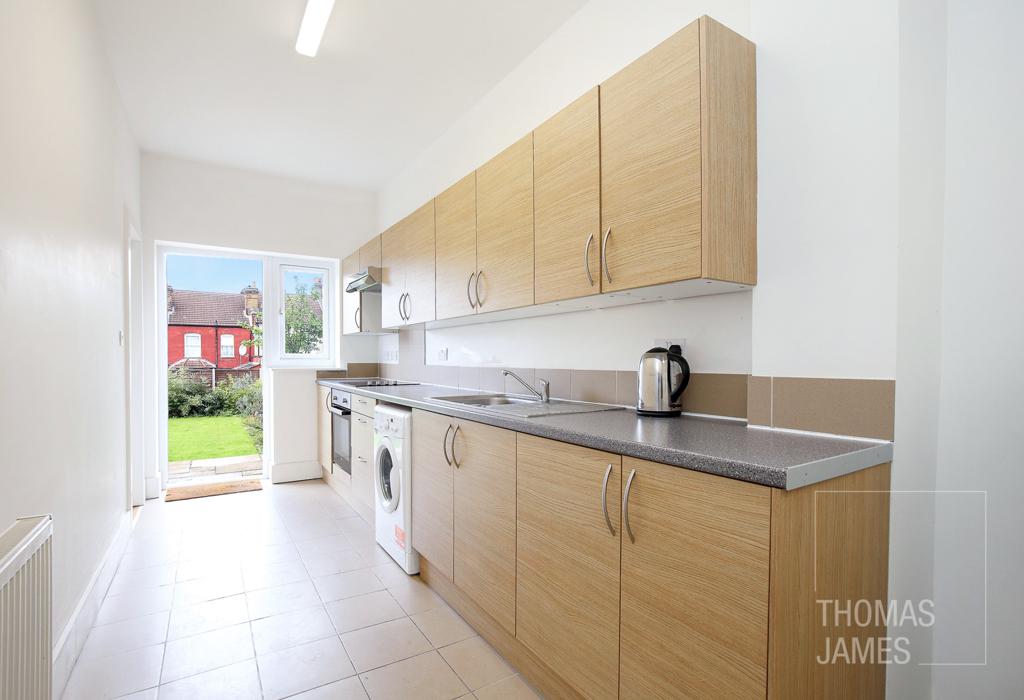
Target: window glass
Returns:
[227, 345]
[193, 345]
[304, 308]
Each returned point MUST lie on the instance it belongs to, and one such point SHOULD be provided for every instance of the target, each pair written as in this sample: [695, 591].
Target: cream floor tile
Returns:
[201, 590]
[415, 596]
[424, 677]
[304, 667]
[138, 579]
[113, 676]
[208, 567]
[131, 604]
[360, 611]
[148, 694]
[333, 563]
[239, 681]
[308, 529]
[477, 664]
[348, 689]
[207, 651]
[379, 645]
[268, 575]
[269, 553]
[391, 574]
[208, 616]
[291, 629]
[346, 585]
[373, 554]
[320, 546]
[149, 556]
[442, 626]
[511, 688]
[119, 637]
[281, 599]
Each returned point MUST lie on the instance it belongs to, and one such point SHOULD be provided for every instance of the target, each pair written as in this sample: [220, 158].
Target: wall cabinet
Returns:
[504, 234]
[323, 428]
[678, 162]
[455, 220]
[694, 584]
[351, 302]
[407, 269]
[567, 199]
[361, 311]
[567, 561]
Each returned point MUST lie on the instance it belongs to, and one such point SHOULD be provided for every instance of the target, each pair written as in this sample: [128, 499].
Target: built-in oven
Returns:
[341, 430]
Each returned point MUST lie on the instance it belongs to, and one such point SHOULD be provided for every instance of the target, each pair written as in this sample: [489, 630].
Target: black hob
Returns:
[373, 381]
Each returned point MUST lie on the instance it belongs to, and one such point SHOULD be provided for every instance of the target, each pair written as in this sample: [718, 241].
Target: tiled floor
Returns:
[272, 594]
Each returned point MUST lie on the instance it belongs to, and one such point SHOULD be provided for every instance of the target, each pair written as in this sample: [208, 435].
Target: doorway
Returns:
[214, 351]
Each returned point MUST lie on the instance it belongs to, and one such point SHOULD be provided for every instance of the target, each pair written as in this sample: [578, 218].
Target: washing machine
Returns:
[392, 477]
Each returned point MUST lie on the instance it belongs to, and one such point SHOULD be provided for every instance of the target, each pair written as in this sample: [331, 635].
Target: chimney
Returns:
[170, 301]
[252, 299]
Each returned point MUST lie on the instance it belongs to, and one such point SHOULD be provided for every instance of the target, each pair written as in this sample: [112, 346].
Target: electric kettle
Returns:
[663, 375]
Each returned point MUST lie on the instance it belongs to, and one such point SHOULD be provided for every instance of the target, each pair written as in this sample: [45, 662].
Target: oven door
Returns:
[341, 440]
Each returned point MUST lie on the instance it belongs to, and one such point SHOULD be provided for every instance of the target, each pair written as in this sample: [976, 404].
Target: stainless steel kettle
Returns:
[663, 375]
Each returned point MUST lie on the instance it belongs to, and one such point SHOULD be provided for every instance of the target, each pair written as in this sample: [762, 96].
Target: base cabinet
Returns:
[323, 428]
[567, 561]
[694, 596]
[362, 459]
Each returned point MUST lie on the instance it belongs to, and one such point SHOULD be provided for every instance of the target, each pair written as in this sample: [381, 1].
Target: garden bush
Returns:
[188, 396]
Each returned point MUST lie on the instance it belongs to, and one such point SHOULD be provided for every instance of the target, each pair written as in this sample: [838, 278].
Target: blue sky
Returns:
[210, 274]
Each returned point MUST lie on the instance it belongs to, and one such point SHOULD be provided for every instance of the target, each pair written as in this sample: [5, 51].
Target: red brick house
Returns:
[206, 332]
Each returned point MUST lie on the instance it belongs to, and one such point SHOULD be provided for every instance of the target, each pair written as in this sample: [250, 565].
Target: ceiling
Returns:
[220, 81]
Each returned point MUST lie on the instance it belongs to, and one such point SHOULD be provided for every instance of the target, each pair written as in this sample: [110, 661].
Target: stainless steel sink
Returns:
[523, 406]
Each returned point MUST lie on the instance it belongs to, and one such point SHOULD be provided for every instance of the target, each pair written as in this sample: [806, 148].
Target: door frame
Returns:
[132, 338]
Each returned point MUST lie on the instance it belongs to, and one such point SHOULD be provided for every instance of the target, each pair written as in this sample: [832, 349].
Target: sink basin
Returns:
[523, 406]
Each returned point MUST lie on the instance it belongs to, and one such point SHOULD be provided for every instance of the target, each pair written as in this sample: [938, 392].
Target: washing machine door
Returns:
[387, 476]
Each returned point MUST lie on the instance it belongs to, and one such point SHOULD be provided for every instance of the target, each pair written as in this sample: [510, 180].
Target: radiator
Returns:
[26, 647]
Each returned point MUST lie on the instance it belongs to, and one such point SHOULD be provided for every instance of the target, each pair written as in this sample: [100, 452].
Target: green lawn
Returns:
[204, 437]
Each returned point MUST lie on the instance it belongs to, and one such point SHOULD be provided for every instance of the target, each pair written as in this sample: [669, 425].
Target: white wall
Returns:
[827, 188]
[982, 341]
[68, 170]
[190, 202]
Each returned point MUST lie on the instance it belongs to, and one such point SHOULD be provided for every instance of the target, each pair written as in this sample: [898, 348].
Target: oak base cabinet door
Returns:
[567, 561]
[694, 579]
[433, 490]
[323, 428]
[485, 518]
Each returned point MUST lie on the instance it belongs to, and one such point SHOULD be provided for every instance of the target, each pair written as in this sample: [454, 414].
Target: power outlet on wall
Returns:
[442, 354]
[669, 342]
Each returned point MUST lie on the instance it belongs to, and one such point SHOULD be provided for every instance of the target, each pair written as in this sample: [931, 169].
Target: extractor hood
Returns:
[366, 281]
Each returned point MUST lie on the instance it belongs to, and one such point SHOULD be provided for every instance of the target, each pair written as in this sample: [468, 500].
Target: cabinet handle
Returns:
[408, 298]
[401, 313]
[469, 296]
[625, 506]
[358, 318]
[476, 287]
[604, 253]
[604, 500]
[586, 260]
[444, 444]
[455, 435]
[361, 459]
[327, 400]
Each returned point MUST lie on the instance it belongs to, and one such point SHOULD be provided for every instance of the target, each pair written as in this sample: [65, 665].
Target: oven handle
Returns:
[339, 412]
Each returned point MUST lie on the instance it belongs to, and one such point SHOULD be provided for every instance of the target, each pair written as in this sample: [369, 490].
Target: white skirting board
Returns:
[72, 637]
[294, 471]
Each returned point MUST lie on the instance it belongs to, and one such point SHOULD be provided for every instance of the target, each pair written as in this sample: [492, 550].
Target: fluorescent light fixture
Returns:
[314, 22]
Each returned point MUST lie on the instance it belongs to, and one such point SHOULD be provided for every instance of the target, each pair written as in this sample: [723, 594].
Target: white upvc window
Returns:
[193, 345]
[301, 333]
[227, 345]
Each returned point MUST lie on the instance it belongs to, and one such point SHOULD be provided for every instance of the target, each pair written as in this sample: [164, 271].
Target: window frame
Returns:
[273, 353]
[199, 346]
[230, 337]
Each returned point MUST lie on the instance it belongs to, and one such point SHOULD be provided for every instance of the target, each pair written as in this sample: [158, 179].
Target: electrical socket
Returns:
[442, 354]
[669, 342]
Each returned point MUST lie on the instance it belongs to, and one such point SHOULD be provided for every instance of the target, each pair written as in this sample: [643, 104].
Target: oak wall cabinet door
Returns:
[351, 302]
[407, 269]
[323, 428]
[484, 458]
[678, 162]
[567, 561]
[433, 490]
[694, 584]
[369, 253]
[504, 234]
[455, 220]
[567, 201]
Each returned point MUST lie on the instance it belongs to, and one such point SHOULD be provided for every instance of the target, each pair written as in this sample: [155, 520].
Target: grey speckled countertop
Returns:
[726, 447]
